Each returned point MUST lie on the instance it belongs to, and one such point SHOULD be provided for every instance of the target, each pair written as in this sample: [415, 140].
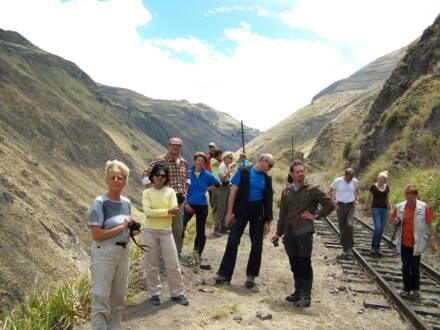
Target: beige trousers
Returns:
[110, 280]
[161, 244]
[222, 207]
[177, 228]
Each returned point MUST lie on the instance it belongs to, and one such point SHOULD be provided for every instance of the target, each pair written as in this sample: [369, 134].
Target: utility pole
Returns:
[242, 136]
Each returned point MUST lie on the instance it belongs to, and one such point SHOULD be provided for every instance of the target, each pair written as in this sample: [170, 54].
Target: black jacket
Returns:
[241, 199]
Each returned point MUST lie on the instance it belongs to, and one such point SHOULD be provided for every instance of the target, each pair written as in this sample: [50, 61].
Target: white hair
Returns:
[227, 154]
[265, 157]
[383, 175]
[118, 164]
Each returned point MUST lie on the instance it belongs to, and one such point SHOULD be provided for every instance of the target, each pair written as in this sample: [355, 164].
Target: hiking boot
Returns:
[294, 297]
[156, 300]
[404, 294]
[221, 280]
[182, 300]
[250, 282]
[303, 301]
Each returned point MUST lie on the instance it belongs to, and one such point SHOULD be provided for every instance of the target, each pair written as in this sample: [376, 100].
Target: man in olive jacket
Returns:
[298, 210]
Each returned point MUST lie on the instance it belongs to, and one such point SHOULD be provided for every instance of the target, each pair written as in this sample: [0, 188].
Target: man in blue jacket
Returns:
[250, 201]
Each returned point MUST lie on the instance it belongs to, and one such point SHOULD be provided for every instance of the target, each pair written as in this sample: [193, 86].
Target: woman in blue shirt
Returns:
[200, 181]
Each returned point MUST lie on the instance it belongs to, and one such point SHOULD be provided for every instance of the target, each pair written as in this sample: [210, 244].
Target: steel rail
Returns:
[404, 309]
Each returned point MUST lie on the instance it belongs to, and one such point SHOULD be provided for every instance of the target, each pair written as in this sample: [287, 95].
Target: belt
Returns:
[123, 244]
[350, 203]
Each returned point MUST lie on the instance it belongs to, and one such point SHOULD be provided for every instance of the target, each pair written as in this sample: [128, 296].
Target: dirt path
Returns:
[215, 308]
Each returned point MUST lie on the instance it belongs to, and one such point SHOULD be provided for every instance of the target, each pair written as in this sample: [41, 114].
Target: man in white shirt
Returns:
[347, 191]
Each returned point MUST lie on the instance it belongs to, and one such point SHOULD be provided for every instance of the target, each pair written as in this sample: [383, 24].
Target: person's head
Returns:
[217, 154]
[348, 174]
[297, 169]
[116, 175]
[212, 147]
[411, 194]
[382, 177]
[265, 163]
[175, 147]
[228, 157]
[200, 160]
[159, 175]
[242, 157]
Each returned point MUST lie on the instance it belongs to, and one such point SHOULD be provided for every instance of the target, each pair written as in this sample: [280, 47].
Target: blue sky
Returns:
[256, 60]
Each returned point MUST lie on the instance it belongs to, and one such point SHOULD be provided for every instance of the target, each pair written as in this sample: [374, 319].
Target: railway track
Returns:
[423, 313]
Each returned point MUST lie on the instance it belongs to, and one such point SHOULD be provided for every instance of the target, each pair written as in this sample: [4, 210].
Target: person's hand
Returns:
[174, 211]
[266, 228]
[126, 223]
[228, 219]
[337, 207]
[136, 232]
[307, 215]
[356, 202]
[275, 237]
[432, 245]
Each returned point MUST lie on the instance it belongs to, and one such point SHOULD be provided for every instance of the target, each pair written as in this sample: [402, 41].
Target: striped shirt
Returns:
[179, 171]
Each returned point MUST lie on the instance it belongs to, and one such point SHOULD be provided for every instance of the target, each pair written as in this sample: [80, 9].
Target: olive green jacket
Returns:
[293, 204]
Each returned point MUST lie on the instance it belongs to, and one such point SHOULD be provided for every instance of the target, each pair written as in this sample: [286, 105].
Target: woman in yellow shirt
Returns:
[160, 205]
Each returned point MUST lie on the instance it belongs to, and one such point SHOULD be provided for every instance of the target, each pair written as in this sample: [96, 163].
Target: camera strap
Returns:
[143, 247]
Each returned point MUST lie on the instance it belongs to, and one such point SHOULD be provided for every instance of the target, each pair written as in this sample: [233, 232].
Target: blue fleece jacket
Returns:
[198, 186]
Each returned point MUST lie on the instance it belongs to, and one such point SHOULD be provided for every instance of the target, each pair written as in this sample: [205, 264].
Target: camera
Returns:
[275, 243]
[135, 226]
[180, 197]
[225, 183]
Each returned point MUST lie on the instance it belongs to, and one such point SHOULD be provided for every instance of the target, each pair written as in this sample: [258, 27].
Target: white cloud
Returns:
[261, 81]
[373, 28]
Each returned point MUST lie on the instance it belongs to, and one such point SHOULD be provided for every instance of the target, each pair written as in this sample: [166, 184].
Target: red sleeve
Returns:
[393, 214]
[429, 215]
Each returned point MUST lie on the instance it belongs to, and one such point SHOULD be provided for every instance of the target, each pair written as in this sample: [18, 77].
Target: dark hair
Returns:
[157, 169]
[200, 154]
[296, 162]
[216, 153]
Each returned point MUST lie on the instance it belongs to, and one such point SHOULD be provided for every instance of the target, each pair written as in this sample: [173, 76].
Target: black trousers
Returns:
[410, 269]
[256, 232]
[345, 215]
[299, 250]
[201, 216]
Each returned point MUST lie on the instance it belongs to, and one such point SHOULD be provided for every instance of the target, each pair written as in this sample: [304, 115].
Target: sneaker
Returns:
[350, 253]
[156, 300]
[182, 300]
[404, 294]
[372, 252]
[415, 294]
[250, 282]
[294, 297]
[217, 233]
[303, 301]
[379, 253]
[220, 280]
[343, 256]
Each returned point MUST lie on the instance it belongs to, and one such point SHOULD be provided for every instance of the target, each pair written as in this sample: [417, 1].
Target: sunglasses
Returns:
[270, 164]
[176, 145]
[163, 176]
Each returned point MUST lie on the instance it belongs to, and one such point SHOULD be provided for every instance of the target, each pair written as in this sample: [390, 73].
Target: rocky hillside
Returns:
[57, 129]
[315, 128]
[403, 125]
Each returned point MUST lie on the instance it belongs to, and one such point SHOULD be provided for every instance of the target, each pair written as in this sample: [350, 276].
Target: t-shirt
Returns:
[408, 223]
[223, 169]
[156, 203]
[214, 167]
[380, 197]
[199, 186]
[257, 184]
[345, 192]
[107, 213]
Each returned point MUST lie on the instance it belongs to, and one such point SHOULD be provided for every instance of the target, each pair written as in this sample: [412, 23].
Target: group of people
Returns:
[175, 193]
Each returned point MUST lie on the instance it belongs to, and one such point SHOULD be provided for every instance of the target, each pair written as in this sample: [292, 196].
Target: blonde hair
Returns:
[383, 174]
[118, 164]
[227, 154]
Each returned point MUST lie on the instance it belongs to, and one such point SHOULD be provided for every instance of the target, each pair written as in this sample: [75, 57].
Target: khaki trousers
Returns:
[161, 244]
[177, 228]
[222, 207]
[110, 280]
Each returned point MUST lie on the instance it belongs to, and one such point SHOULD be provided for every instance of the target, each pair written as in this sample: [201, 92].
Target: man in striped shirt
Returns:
[178, 180]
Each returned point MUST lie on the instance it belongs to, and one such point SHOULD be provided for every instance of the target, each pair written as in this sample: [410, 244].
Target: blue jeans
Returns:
[379, 216]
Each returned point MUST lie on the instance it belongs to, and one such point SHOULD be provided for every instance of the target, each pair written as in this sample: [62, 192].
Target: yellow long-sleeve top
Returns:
[156, 203]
